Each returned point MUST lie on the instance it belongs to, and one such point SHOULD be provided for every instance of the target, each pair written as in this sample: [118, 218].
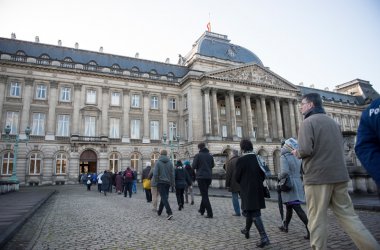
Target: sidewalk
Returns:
[17, 207]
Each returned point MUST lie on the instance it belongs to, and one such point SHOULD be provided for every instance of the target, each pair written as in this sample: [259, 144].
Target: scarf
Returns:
[315, 110]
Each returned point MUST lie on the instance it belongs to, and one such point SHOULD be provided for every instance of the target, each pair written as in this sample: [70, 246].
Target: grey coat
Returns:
[292, 166]
[163, 171]
[231, 183]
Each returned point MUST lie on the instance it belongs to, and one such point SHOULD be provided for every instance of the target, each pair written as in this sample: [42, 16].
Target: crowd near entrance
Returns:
[88, 162]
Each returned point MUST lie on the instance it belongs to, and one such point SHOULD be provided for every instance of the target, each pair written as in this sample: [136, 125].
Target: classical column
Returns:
[25, 113]
[3, 83]
[126, 122]
[146, 117]
[259, 118]
[244, 117]
[215, 113]
[105, 105]
[297, 114]
[165, 114]
[233, 112]
[273, 118]
[206, 102]
[51, 115]
[228, 115]
[265, 118]
[77, 103]
[292, 118]
[279, 119]
[249, 114]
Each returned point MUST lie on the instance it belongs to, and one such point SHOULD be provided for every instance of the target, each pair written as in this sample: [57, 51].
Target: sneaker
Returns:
[170, 216]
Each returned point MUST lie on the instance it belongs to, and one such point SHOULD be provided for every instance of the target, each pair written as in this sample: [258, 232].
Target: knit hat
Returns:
[147, 164]
[186, 163]
[178, 163]
[291, 144]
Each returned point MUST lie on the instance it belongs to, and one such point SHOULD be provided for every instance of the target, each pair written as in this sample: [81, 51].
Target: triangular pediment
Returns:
[252, 74]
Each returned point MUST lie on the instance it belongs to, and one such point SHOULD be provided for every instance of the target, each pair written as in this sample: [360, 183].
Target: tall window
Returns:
[185, 100]
[154, 102]
[7, 164]
[91, 96]
[154, 159]
[114, 128]
[89, 125]
[35, 163]
[114, 163]
[172, 104]
[15, 89]
[65, 94]
[237, 110]
[239, 131]
[115, 99]
[134, 161]
[224, 131]
[135, 101]
[172, 131]
[154, 130]
[63, 125]
[186, 127]
[60, 164]
[38, 127]
[41, 91]
[223, 109]
[135, 129]
[12, 121]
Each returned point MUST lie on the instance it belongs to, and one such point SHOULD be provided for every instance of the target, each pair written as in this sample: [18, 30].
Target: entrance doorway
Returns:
[88, 162]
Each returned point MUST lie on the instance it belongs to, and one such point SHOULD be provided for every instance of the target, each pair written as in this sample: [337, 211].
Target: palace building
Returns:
[91, 111]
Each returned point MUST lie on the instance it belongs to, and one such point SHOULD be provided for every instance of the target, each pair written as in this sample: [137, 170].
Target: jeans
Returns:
[235, 202]
[179, 194]
[148, 195]
[128, 188]
[134, 186]
[163, 188]
[203, 185]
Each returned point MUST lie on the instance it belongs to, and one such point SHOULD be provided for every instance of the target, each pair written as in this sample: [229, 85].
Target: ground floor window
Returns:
[35, 163]
[60, 164]
[7, 164]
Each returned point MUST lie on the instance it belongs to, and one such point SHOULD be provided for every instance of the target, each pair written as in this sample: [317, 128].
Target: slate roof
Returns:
[32, 49]
[333, 96]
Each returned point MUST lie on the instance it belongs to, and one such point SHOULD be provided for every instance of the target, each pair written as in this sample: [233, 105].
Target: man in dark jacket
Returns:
[368, 141]
[163, 174]
[231, 183]
[203, 164]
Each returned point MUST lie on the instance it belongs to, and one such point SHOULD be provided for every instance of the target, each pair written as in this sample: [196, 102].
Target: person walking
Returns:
[203, 163]
[320, 146]
[181, 180]
[145, 178]
[105, 182]
[291, 168]
[128, 182]
[367, 146]
[89, 181]
[164, 176]
[231, 183]
[250, 177]
[189, 188]
[119, 182]
[99, 178]
[154, 190]
[134, 183]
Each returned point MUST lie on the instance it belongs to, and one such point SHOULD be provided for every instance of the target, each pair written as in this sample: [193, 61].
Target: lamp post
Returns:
[16, 141]
[171, 145]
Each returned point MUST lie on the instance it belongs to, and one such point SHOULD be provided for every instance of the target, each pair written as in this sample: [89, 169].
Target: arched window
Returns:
[153, 74]
[35, 163]
[60, 163]
[7, 163]
[135, 161]
[114, 163]
[20, 56]
[67, 63]
[44, 59]
[116, 69]
[154, 158]
[92, 65]
[170, 76]
[135, 71]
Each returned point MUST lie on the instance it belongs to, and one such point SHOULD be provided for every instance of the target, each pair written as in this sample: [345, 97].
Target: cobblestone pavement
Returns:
[74, 218]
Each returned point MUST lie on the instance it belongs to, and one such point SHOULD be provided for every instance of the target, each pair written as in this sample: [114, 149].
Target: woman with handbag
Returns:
[146, 182]
[250, 176]
[290, 185]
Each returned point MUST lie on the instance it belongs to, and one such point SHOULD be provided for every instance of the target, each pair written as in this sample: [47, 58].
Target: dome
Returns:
[218, 46]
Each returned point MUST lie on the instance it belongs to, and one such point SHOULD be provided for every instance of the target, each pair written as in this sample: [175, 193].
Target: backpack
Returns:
[128, 175]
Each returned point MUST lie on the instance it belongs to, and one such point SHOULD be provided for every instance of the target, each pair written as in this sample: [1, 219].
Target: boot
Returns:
[264, 241]
[288, 217]
[248, 224]
[302, 215]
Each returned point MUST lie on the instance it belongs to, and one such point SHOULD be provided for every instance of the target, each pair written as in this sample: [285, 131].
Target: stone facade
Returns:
[92, 116]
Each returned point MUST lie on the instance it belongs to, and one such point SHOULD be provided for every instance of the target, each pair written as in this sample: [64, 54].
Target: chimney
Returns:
[327, 88]
[137, 55]
[59, 43]
[300, 84]
[101, 49]
[167, 60]
[13, 35]
[76, 45]
[312, 86]
[37, 39]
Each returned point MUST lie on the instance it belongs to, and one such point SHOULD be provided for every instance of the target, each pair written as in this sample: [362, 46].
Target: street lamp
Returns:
[171, 145]
[16, 141]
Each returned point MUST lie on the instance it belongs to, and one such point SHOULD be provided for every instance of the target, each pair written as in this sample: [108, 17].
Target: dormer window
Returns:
[170, 76]
[20, 56]
[153, 74]
[67, 63]
[44, 59]
[92, 66]
[135, 71]
[116, 69]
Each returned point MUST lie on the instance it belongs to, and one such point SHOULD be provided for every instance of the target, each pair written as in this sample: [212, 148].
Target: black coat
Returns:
[250, 177]
[203, 163]
[182, 178]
